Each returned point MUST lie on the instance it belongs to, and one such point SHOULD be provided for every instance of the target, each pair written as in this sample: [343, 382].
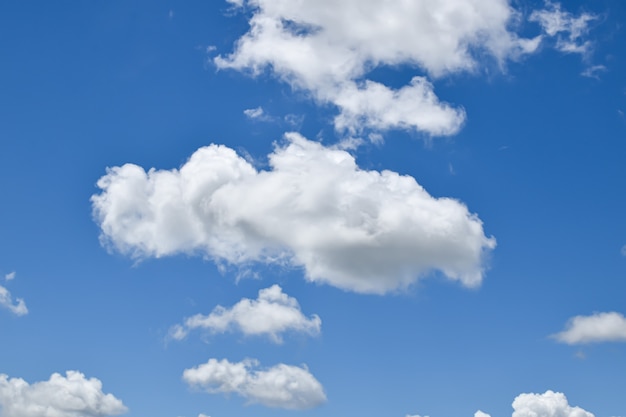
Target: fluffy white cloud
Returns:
[365, 231]
[568, 29]
[328, 48]
[17, 307]
[598, 327]
[282, 386]
[272, 313]
[548, 404]
[61, 396]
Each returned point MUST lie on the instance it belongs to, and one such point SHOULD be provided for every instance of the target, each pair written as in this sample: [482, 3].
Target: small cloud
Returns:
[623, 250]
[376, 139]
[272, 314]
[170, 14]
[349, 143]
[580, 355]
[596, 328]
[236, 3]
[17, 307]
[9, 276]
[203, 415]
[593, 71]
[294, 120]
[481, 414]
[281, 386]
[254, 113]
[451, 169]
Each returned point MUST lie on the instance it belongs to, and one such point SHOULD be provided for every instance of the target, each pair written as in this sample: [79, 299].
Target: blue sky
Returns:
[253, 208]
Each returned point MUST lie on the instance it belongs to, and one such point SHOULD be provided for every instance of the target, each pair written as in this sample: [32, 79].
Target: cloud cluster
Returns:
[281, 386]
[328, 48]
[272, 314]
[17, 307]
[569, 30]
[365, 231]
[598, 327]
[61, 396]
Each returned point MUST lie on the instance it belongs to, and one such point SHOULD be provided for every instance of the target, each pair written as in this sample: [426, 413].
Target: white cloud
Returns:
[61, 396]
[365, 231]
[281, 386]
[256, 113]
[17, 307]
[272, 314]
[568, 29]
[203, 415]
[328, 48]
[623, 250]
[548, 404]
[598, 327]
[10, 276]
[593, 71]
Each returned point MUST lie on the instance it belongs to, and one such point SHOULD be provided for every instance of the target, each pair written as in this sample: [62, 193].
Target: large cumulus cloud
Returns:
[365, 231]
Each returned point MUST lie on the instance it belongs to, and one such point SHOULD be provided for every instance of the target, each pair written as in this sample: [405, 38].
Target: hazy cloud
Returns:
[61, 396]
[272, 313]
[365, 231]
[596, 328]
[593, 71]
[282, 386]
[10, 276]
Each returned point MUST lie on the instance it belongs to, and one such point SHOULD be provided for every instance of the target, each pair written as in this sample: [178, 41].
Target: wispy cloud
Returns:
[569, 30]
[593, 71]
